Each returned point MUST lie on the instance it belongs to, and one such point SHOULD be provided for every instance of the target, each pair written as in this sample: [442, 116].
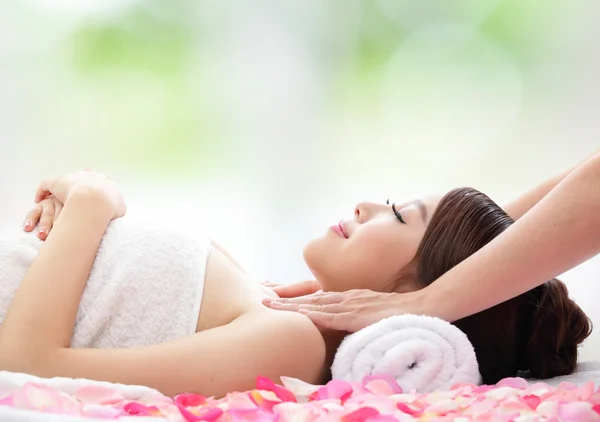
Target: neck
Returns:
[332, 339]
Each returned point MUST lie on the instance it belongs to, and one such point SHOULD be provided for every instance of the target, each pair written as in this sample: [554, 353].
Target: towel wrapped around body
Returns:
[145, 286]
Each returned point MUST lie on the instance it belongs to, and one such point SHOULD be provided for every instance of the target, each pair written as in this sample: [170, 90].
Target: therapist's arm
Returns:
[559, 232]
[520, 206]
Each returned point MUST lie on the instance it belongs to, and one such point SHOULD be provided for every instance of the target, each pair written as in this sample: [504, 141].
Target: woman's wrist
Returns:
[91, 201]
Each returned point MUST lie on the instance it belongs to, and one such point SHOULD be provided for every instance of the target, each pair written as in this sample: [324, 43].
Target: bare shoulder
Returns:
[296, 344]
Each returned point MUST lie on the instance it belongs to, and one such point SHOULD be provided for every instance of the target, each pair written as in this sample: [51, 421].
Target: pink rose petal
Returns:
[360, 415]
[42, 398]
[334, 389]
[139, 409]
[261, 401]
[252, 415]
[532, 401]
[282, 393]
[519, 383]
[190, 400]
[95, 394]
[409, 410]
[207, 415]
[101, 412]
[377, 382]
[577, 411]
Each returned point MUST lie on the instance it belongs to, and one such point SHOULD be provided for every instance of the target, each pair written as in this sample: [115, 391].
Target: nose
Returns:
[365, 211]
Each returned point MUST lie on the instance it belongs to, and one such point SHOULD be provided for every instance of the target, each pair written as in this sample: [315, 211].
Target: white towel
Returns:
[585, 372]
[422, 353]
[145, 286]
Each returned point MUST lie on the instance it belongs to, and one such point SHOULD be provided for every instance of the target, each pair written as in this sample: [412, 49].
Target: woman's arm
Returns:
[212, 362]
[558, 233]
[38, 328]
[42, 313]
[520, 206]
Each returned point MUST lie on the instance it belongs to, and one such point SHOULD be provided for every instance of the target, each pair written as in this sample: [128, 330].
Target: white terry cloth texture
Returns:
[421, 353]
[585, 372]
[145, 286]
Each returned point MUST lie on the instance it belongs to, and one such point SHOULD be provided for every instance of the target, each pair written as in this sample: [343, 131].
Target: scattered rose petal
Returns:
[96, 394]
[190, 400]
[334, 389]
[138, 409]
[282, 393]
[360, 415]
[375, 383]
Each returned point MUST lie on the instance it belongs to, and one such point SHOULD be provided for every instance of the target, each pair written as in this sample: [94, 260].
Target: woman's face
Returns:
[369, 250]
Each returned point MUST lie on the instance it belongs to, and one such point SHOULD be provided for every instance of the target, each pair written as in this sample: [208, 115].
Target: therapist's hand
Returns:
[351, 310]
[302, 288]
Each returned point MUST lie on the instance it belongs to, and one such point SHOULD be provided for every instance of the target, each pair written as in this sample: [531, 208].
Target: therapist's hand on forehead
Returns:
[348, 311]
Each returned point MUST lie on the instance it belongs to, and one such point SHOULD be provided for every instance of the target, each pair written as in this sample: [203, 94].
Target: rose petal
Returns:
[253, 415]
[282, 393]
[360, 415]
[532, 401]
[42, 398]
[334, 389]
[577, 411]
[190, 400]
[201, 415]
[376, 381]
[261, 401]
[101, 412]
[96, 394]
[139, 409]
[519, 383]
[409, 410]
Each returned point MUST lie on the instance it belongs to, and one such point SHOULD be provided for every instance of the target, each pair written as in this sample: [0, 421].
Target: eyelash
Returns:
[398, 215]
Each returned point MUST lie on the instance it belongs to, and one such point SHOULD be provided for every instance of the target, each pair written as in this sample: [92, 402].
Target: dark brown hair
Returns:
[538, 331]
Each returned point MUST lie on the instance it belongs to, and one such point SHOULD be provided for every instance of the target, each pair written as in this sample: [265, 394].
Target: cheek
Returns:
[383, 253]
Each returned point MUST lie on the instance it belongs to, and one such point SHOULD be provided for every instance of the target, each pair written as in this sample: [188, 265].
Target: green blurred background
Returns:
[268, 120]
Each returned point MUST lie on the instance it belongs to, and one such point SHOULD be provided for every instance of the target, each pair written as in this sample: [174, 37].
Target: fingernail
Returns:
[27, 225]
[303, 311]
[42, 233]
[267, 300]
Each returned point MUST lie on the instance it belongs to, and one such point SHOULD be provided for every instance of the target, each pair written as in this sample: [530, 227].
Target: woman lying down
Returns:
[175, 312]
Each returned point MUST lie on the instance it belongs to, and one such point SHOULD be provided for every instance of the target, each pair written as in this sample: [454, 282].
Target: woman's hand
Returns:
[43, 215]
[351, 310]
[84, 183]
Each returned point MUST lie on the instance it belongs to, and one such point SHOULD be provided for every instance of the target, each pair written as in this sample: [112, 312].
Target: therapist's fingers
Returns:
[297, 289]
[346, 321]
[319, 298]
[331, 308]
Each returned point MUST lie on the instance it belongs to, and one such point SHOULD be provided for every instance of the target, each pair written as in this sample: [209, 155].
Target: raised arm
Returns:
[521, 205]
[557, 228]
[558, 233]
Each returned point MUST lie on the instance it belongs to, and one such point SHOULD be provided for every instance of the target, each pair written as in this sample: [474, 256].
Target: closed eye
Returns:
[396, 212]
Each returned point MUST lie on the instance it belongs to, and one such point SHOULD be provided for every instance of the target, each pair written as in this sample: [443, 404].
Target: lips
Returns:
[343, 229]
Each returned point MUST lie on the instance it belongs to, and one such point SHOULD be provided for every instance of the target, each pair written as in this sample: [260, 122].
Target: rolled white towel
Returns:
[422, 353]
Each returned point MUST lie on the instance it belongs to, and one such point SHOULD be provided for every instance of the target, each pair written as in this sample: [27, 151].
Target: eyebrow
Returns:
[422, 208]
